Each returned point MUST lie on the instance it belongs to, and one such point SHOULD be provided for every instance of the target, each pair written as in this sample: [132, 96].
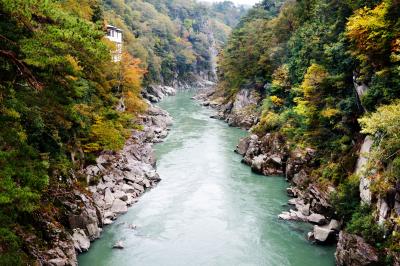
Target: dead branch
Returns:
[26, 73]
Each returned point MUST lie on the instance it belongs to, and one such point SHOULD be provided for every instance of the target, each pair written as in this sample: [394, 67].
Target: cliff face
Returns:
[238, 111]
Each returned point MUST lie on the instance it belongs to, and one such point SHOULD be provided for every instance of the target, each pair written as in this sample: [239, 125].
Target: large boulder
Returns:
[243, 146]
[81, 241]
[108, 198]
[323, 234]
[119, 207]
[242, 111]
[352, 250]
[300, 179]
[319, 200]
[317, 218]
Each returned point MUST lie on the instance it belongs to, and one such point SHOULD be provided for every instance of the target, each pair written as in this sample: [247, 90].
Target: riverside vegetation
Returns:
[316, 81]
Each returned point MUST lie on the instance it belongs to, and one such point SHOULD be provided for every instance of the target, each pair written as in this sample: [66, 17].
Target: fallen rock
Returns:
[108, 198]
[323, 234]
[132, 226]
[352, 250]
[334, 225]
[127, 188]
[119, 207]
[81, 241]
[118, 194]
[243, 146]
[119, 245]
[300, 179]
[107, 221]
[292, 215]
[138, 187]
[316, 218]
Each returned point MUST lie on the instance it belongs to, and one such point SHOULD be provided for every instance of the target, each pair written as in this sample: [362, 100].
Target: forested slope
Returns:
[59, 91]
[173, 38]
[320, 74]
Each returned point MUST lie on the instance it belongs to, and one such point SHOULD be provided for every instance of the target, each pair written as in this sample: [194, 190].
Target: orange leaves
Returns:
[132, 73]
[132, 76]
[133, 103]
[371, 32]
[367, 28]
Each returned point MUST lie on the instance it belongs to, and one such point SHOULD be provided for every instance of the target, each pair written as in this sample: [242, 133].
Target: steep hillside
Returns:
[173, 39]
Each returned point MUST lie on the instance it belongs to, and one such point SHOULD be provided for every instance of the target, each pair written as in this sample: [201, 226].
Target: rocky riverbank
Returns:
[116, 181]
[270, 154]
[239, 111]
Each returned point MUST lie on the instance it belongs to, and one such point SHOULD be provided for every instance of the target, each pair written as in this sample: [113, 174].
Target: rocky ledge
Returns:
[117, 180]
[353, 250]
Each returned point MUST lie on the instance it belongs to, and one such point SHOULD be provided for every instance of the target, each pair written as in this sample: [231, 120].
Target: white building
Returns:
[115, 35]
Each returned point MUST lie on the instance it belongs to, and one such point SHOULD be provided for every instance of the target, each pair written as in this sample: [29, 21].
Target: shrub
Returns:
[347, 198]
[363, 223]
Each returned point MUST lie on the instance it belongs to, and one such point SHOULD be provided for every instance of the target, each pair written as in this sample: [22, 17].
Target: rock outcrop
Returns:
[155, 93]
[266, 155]
[352, 250]
[365, 182]
[239, 111]
[325, 234]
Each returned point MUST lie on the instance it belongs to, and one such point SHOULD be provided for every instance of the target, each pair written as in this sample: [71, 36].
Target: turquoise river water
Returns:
[209, 209]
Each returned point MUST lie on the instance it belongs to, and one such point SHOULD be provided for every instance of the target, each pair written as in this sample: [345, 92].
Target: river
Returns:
[209, 209]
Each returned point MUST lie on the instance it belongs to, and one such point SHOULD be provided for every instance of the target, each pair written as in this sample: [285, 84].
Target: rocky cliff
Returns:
[238, 111]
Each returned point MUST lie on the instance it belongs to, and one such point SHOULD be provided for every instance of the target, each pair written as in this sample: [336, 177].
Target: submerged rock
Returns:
[118, 245]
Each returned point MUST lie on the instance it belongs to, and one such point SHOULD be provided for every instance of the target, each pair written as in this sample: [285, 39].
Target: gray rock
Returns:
[292, 216]
[109, 215]
[276, 159]
[108, 199]
[81, 241]
[93, 231]
[334, 225]
[118, 194]
[243, 146]
[119, 207]
[304, 209]
[317, 219]
[57, 262]
[383, 210]
[352, 250]
[107, 221]
[300, 179]
[119, 245]
[153, 175]
[257, 163]
[127, 188]
[146, 183]
[365, 182]
[138, 187]
[322, 234]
